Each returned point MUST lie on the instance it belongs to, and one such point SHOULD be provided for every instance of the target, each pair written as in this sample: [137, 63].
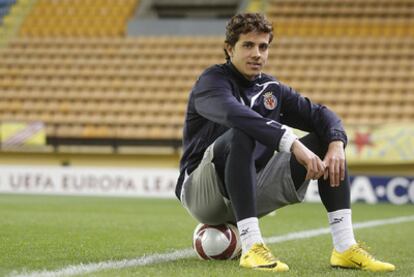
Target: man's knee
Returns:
[315, 144]
[213, 212]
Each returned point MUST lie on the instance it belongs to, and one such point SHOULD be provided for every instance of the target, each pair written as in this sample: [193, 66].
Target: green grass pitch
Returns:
[53, 232]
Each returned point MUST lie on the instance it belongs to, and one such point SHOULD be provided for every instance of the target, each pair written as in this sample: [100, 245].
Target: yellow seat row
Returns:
[85, 2]
[91, 18]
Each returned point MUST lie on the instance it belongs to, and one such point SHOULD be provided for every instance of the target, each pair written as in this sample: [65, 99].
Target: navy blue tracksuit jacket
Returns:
[223, 98]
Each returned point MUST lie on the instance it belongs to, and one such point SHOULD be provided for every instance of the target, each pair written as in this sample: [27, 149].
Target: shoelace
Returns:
[361, 248]
[265, 253]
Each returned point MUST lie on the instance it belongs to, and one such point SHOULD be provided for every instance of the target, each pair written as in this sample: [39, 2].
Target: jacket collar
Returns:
[240, 78]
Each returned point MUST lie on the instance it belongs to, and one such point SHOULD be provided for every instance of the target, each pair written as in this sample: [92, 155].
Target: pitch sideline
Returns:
[188, 252]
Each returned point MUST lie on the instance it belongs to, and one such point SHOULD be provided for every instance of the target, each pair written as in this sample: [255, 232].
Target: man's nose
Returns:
[256, 52]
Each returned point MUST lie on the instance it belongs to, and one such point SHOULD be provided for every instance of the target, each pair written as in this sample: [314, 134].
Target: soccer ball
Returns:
[216, 242]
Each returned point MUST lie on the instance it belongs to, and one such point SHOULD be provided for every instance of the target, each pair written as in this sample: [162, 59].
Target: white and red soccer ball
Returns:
[216, 242]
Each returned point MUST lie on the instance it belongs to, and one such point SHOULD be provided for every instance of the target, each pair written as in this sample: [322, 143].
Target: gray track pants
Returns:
[201, 194]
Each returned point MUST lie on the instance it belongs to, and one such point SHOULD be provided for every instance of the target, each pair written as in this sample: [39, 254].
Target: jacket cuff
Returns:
[336, 134]
[287, 139]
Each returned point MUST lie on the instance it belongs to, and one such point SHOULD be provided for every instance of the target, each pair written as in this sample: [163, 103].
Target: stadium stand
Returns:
[183, 17]
[5, 6]
[78, 18]
[351, 18]
[89, 83]
[194, 9]
[355, 56]
[340, 8]
[12, 13]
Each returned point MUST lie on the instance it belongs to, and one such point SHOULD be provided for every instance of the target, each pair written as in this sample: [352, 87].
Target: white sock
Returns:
[249, 232]
[342, 232]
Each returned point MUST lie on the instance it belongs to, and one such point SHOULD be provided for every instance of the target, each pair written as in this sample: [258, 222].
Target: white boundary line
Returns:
[188, 252]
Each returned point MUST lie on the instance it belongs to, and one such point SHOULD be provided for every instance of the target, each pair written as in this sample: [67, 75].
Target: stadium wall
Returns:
[154, 175]
[165, 158]
[142, 158]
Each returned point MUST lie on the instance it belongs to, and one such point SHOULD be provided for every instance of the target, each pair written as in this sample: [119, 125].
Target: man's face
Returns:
[249, 54]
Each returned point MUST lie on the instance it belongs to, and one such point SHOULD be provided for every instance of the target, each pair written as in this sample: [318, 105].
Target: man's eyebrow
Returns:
[252, 42]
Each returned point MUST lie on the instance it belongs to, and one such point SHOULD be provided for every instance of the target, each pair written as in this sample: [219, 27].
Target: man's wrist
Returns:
[294, 144]
[336, 143]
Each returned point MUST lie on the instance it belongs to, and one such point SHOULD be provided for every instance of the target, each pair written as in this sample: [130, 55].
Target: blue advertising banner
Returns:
[374, 189]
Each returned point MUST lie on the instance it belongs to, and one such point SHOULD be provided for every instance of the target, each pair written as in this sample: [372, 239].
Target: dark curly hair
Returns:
[245, 23]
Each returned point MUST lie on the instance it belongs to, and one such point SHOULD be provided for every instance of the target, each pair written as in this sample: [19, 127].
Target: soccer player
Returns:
[241, 161]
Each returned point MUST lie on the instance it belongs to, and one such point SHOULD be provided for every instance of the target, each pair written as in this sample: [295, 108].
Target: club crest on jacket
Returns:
[269, 101]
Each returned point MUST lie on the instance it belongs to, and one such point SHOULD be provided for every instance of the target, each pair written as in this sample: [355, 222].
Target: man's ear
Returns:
[229, 49]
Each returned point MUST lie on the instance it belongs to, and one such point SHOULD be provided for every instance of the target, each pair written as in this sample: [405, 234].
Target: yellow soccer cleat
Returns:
[259, 257]
[357, 257]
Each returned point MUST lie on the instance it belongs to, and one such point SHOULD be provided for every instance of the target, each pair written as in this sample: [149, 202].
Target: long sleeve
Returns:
[299, 112]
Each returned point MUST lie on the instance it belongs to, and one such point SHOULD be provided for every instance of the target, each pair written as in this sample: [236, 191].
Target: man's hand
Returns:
[314, 166]
[334, 162]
